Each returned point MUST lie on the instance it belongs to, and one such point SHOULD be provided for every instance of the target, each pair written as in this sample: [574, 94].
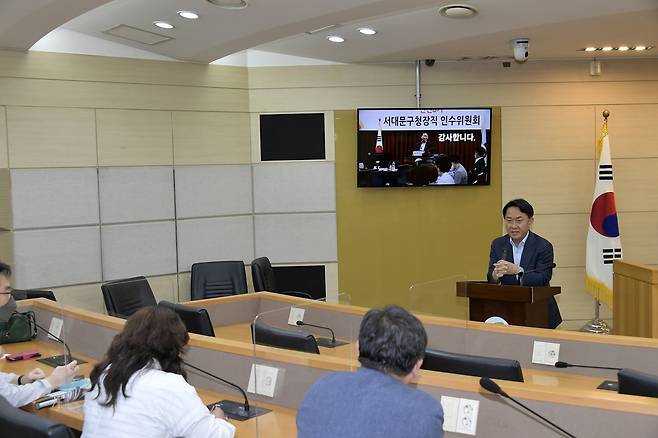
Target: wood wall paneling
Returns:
[51, 137]
[211, 138]
[134, 138]
[631, 129]
[567, 233]
[639, 236]
[6, 216]
[635, 181]
[548, 133]
[7, 247]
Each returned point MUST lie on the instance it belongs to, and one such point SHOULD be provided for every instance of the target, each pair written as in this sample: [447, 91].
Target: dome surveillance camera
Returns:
[430, 62]
[520, 47]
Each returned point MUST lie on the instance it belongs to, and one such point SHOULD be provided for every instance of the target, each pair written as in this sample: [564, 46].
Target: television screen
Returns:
[292, 136]
[398, 147]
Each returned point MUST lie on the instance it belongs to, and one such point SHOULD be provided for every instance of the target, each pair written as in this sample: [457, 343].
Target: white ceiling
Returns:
[407, 29]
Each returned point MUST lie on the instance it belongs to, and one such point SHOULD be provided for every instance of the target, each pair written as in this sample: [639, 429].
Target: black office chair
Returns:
[195, 319]
[263, 277]
[470, 365]
[26, 294]
[218, 279]
[125, 297]
[15, 422]
[637, 383]
[275, 337]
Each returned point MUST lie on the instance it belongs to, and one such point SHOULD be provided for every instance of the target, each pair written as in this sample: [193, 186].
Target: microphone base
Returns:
[609, 385]
[61, 360]
[326, 342]
[235, 410]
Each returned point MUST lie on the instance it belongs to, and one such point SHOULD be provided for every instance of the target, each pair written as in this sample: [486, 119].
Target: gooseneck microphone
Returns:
[232, 409]
[493, 387]
[561, 364]
[324, 342]
[54, 361]
[502, 257]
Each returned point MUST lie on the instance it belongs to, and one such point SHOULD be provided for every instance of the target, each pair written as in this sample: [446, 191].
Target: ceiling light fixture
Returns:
[367, 31]
[336, 39]
[163, 25]
[622, 48]
[591, 49]
[606, 48]
[230, 4]
[640, 48]
[189, 15]
[458, 11]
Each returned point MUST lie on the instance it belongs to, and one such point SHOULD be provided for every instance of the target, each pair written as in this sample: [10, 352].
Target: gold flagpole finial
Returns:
[606, 114]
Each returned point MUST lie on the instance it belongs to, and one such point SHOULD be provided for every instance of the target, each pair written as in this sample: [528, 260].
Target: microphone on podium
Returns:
[493, 387]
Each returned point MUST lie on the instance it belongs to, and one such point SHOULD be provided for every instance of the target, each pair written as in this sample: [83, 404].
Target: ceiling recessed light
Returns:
[367, 31]
[188, 14]
[640, 48]
[606, 48]
[230, 4]
[590, 49]
[622, 48]
[163, 25]
[458, 11]
[336, 39]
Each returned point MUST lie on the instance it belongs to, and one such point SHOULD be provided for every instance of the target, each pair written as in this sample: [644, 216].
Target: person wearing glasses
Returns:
[22, 390]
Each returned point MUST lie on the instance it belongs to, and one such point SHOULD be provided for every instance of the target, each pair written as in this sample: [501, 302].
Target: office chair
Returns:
[26, 294]
[263, 277]
[218, 279]
[195, 319]
[15, 422]
[125, 297]
[470, 365]
[275, 337]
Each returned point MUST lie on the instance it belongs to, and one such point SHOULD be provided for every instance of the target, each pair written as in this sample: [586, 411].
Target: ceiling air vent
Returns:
[137, 35]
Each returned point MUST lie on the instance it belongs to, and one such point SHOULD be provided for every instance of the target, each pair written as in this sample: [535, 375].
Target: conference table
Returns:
[568, 398]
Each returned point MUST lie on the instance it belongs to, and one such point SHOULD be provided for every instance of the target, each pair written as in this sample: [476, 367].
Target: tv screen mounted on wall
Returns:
[412, 147]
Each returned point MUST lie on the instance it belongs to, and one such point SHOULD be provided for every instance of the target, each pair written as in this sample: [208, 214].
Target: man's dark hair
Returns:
[443, 163]
[481, 151]
[152, 333]
[5, 269]
[455, 158]
[522, 205]
[391, 340]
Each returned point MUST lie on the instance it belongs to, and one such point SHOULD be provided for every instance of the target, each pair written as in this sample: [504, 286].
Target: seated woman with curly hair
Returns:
[139, 389]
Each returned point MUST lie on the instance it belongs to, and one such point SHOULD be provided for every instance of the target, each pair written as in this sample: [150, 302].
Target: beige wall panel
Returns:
[7, 247]
[632, 129]
[41, 92]
[6, 208]
[4, 156]
[184, 283]
[562, 186]
[51, 137]
[548, 133]
[134, 138]
[110, 69]
[567, 233]
[550, 93]
[164, 287]
[574, 301]
[211, 138]
[636, 184]
[639, 236]
[83, 296]
[323, 76]
[332, 98]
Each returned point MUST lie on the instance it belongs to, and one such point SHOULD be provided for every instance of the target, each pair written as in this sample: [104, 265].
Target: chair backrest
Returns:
[195, 319]
[15, 422]
[470, 365]
[125, 297]
[637, 383]
[262, 275]
[264, 334]
[26, 294]
[218, 279]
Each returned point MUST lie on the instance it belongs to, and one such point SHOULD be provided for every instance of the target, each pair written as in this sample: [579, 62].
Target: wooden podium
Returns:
[518, 305]
[635, 299]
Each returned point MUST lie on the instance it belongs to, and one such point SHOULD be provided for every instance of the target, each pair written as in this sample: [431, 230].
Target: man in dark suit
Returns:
[423, 149]
[375, 401]
[522, 250]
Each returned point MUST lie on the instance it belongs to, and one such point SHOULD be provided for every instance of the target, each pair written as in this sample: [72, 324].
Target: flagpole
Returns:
[597, 325]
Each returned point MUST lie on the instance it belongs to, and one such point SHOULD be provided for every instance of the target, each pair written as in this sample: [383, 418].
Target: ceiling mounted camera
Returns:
[520, 48]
